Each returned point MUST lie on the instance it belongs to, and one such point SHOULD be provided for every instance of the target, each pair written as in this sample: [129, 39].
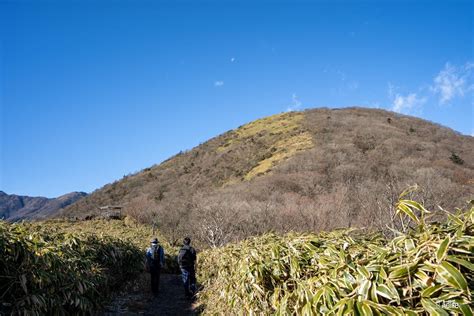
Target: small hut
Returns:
[111, 211]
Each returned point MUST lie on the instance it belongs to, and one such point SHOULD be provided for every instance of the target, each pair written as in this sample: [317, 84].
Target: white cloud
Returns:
[452, 82]
[295, 103]
[218, 83]
[391, 90]
[408, 104]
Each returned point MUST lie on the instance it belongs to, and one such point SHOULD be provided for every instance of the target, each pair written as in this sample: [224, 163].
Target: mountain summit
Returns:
[312, 170]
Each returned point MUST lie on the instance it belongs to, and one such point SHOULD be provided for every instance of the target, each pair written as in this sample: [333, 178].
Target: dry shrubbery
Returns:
[360, 161]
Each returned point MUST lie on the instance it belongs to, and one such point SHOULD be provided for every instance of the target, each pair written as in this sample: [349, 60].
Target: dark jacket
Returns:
[187, 257]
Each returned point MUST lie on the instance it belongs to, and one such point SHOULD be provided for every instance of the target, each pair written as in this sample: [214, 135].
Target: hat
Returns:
[154, 241]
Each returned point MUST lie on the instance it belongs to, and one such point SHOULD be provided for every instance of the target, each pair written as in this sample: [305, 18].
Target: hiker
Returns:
[155, 260]
[186, 261]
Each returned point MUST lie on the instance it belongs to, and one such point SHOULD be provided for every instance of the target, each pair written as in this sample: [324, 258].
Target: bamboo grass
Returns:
[50, 271]
[426, 270]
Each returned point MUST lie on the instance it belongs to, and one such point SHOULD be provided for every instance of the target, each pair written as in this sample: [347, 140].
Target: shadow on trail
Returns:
[139, 300]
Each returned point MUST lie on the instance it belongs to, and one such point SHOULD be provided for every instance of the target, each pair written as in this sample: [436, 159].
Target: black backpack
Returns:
[186, 257]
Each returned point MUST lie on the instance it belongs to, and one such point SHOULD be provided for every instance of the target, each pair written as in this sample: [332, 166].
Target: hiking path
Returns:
[138, 299]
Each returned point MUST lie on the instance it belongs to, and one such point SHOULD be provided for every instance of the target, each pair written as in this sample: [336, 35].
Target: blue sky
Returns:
[93, 90]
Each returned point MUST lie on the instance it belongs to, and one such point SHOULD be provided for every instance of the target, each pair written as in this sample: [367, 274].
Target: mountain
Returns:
[16, 207]
[314, 170]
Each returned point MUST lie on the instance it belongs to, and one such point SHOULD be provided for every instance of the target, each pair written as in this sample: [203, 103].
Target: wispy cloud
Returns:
[295, 103]
[218, 83]
[452, 82]
[391, 90]
[408, 104]
[411, 103]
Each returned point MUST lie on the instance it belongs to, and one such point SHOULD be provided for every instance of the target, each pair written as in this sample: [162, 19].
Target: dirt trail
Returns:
[139, 299]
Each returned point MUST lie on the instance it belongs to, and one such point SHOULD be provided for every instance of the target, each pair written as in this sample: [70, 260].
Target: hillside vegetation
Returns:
[300, 171]
[427, 269]
[60, 267]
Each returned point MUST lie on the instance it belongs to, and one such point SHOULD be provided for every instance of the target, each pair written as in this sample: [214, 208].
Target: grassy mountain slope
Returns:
[313, 170]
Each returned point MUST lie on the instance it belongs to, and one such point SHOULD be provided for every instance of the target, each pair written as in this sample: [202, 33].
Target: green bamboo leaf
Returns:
[449, 295]
[428, 292]
[452, 275]
[466, 310]
[384, 291]
[364, 272]
[416, 205]
[403, 208]
[364, 288]
[373, 293]
[307, 309]
[364, 309]
[402, 270]
[317, 296]
[409, 244]
[454, 219]
[284, 305]
[349, 310]
[443, 249]
[340, 307]
[461, 261]
[424, 278]
[432, 308]
[408, 190]
[384, 309]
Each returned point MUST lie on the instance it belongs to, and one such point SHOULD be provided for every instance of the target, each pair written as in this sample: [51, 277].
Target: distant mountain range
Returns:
[17, 207]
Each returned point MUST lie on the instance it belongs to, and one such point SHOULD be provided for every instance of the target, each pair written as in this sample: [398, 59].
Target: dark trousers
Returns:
[155, 279]
[189, 280]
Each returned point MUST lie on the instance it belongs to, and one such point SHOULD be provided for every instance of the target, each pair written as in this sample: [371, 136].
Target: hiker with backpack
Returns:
[187, 261]
[155, 260]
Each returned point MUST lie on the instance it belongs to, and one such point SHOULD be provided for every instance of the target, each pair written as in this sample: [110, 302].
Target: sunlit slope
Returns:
[306, 171]
[239, 155]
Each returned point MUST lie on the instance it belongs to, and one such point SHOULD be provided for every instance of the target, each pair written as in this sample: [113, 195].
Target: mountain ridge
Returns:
[317, 169]
[19, 207]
